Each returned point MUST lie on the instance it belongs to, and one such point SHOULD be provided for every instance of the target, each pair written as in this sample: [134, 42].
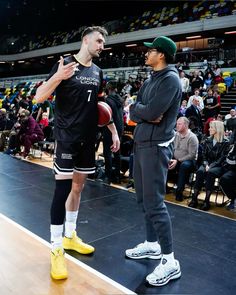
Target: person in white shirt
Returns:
[196, 95]
[185, 85]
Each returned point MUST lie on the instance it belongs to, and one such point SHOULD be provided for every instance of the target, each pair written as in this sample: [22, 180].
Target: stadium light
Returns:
[230, 32]
[194, 37]
[130, 45]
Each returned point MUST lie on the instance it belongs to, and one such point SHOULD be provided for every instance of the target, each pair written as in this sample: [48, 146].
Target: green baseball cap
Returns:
[164, 43]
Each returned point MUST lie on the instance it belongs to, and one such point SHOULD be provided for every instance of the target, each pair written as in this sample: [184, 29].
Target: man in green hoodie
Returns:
[155, 113]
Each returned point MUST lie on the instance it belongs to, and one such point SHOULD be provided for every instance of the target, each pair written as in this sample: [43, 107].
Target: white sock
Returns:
[152, 244]
[169, 257]
[70, 224]
[56, 235]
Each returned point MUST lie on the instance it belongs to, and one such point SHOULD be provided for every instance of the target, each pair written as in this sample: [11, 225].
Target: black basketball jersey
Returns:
[76, 112]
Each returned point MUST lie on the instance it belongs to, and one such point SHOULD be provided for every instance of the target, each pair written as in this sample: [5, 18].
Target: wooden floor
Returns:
[25, 268]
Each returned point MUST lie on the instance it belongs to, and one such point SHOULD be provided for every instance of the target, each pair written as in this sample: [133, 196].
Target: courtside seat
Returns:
[46, 145]
[43, 146]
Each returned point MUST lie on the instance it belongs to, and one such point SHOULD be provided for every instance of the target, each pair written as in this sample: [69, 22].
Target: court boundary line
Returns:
[71, 258]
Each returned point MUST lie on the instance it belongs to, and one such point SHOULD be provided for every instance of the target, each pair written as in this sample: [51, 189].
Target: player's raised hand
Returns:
[64, 72]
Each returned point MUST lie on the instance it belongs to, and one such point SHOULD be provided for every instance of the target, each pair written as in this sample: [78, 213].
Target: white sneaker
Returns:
[144, 250]
[163, 273]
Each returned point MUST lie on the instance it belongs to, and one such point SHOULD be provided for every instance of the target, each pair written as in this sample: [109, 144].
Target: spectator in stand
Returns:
[231, 122]
[23, 103]
[185, 85]
[46, 106]
[196, 82]
[217, 71]
[6, 104]
[185, 156]
[210, 110]
[44, 121]
[6, 132]
[208, 82]
[217, 95]
[196, 95]
[193, 126]
[209, 71]
[193, 111]
[228, 116]
[219, 117]
[178, 67]
[230, 125]
[127, 88]
[29, 133]
[214, 151]
[182, 108]
[3, 119]
[201, 75]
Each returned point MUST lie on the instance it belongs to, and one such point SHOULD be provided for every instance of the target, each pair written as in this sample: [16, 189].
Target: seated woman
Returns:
[215, 149]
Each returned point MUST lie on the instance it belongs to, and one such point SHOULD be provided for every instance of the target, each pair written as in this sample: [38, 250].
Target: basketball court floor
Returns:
[110, 220]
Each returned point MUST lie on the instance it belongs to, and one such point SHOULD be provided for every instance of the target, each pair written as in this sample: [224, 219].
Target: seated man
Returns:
[227, 180]
[193, 112]
[185, 155]
[230, 124]
[8, 136]
[30, 132]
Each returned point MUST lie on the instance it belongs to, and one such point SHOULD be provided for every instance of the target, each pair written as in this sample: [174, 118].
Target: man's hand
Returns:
[172, 164]
[158, 120]
[115, 138]
[64, 72]
[116, 143]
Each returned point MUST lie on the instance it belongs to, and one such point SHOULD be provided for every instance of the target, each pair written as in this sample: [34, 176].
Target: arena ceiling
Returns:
[33, 16]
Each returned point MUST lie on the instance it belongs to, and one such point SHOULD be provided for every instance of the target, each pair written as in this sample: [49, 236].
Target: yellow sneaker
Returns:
[58, 264]
[76, 244]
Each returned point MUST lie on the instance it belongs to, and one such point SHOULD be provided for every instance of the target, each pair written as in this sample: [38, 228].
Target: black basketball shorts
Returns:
[72, 157]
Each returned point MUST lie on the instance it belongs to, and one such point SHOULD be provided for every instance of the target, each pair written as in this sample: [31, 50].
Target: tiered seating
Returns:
[163, 16]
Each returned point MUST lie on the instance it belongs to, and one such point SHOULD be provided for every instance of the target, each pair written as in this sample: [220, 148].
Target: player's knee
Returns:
[77, 189]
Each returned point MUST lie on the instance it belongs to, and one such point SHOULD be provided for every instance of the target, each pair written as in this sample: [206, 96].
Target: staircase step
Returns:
[229, 96]
[228, 102]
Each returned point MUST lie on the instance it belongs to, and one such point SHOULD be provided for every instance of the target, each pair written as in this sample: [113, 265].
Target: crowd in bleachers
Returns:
[170, 14]
[24, 123]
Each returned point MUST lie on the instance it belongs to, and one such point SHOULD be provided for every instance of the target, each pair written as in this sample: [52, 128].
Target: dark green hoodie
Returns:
[160, 95]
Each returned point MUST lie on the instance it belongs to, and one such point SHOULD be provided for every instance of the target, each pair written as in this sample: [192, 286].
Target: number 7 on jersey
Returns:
[90, 92]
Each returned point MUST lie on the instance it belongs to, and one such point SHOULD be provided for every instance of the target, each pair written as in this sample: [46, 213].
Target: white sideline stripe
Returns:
[81, 264]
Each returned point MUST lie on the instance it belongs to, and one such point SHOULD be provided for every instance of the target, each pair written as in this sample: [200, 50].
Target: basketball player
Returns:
[159, 96]
[77, 81]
